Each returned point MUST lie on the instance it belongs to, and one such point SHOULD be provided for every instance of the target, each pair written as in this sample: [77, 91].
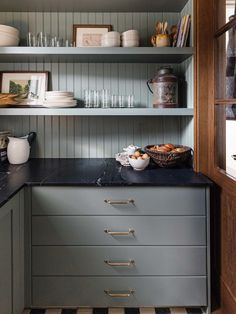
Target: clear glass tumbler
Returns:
[105, 98]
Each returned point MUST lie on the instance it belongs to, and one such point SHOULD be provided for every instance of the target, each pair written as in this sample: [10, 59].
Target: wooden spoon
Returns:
[165, 28]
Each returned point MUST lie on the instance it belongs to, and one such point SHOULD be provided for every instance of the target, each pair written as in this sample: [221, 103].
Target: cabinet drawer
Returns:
[155, 291]
[91, 201]
[118, 261]
[84, 230]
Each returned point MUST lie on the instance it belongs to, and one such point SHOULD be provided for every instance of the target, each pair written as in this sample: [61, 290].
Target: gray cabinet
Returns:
[12, 256]
[116, 246]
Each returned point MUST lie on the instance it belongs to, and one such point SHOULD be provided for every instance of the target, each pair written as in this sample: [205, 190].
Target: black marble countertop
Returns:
[90, 172]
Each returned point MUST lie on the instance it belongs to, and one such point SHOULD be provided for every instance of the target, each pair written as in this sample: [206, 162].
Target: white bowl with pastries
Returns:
[139, 161]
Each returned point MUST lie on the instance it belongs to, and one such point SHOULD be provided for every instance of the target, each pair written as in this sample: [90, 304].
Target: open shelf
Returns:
[95, 55]
[92, 6]
[96, 112]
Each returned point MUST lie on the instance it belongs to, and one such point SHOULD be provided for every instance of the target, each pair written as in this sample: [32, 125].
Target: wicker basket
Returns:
[167, 160]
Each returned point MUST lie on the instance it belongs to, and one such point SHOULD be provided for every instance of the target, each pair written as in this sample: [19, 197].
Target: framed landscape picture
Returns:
[29, 86]
[87, 35]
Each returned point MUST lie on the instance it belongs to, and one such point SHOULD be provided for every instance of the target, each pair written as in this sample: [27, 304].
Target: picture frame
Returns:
[89, 35]
[30, 86]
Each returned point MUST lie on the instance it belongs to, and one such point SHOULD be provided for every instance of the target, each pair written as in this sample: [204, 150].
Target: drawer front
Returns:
[82, 291]
[91, 201]
[118, 261]
[84, 230]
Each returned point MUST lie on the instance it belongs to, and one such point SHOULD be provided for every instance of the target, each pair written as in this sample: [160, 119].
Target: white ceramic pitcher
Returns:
[18, 149]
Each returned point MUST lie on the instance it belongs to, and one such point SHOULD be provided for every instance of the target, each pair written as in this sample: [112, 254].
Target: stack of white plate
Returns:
[59, 99]
[9, 36]
[130, 38]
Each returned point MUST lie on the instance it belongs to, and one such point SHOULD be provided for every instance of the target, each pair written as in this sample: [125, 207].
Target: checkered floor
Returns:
[116, 311]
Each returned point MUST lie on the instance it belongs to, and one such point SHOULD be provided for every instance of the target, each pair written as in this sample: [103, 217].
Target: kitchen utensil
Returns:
[165, 88]
[18, 149]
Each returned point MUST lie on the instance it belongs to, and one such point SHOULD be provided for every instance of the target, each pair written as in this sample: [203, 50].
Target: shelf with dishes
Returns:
[96, 55]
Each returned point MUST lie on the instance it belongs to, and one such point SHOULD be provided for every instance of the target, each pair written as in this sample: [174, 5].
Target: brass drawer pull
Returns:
[124, 294]
[120, 264]
[121, 233]
[121, 202]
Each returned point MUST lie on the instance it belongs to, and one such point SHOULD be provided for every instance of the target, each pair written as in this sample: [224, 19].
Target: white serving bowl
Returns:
[129, 38]
[131, 32]
[7, 40]
[59, 94]
[10, 30]
[139, 164]
[110, 43]
[111, 35]
[130, 43]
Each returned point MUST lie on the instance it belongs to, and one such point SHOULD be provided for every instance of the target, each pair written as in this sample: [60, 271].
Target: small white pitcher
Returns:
[18, 149]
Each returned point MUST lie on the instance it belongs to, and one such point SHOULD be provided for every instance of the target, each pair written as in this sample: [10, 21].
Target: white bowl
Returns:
[111, 35]
[59, 94]
[129, 37]
[7, 40]
[131, 32]
[139, 164]
[110, 43]
[130, 43]
[10, 30]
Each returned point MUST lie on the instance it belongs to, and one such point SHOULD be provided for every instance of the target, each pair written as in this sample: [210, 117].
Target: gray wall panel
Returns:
[71, 137]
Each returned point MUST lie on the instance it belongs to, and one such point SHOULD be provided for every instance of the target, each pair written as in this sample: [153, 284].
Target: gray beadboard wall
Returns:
[69, 137]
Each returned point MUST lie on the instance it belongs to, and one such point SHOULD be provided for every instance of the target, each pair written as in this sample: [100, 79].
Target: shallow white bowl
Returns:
[111, 35]
[62, 100]
[129, 37]
[59, 94]
[111, 43]
[131, 32]
[10, 30]
[139, 164]
[130, 43]
[7, 40]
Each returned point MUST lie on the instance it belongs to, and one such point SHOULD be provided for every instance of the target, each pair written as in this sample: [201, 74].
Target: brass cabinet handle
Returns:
[121, 233]
[119, 202]
[124, 294]
[120, 264]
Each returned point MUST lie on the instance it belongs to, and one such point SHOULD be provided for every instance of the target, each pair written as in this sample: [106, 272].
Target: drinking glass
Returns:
[114, 101]
[130, 101]
[121, 101]
[105, 101]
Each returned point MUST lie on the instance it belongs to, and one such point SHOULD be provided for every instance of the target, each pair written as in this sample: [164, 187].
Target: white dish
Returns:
[139, 164]
[59, 105]
[59, 97]
[131, 32]
[130, 43]
[7, 40]
[61, 101]
[129, 37]
[10, 30]
[111, 43]
[59, 93]
[111, 35]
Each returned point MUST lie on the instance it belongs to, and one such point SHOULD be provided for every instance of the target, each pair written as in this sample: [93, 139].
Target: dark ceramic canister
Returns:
[164, 88]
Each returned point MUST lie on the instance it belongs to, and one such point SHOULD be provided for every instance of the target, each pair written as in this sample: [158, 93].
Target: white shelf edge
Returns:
[87, 50]
[96, 112]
